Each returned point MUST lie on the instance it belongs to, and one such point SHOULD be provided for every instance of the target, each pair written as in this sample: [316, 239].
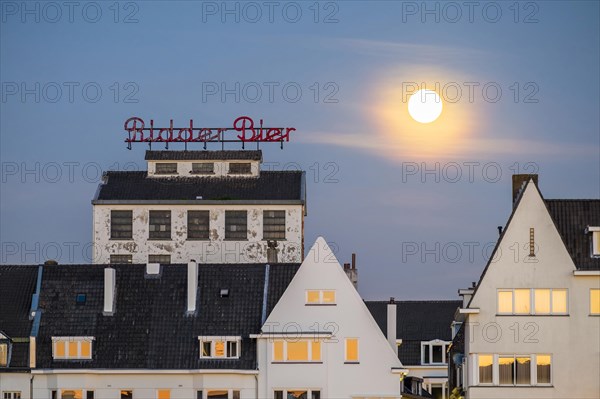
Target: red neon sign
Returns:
[244, 126]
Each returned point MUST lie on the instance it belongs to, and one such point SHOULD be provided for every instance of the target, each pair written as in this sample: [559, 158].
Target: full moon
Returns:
[425, 106]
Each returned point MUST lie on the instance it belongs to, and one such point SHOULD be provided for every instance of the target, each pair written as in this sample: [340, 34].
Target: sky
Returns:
[418, 203]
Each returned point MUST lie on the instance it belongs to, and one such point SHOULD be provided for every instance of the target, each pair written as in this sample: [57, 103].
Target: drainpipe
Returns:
[31, 386]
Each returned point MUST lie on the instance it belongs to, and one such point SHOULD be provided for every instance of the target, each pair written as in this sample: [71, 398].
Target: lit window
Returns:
[320, 297]
[236, 225]
[505, 301]
[220, 347]
[297, 394]
[72, 348]
[160, 225]
[559, 301]
[522, 301]
[485, 369]
[3, 354]
[351, 350]
[506, 368]
[126, 394]
[595, 301]
[198, 223]
[121, 225]
[165, 168]
[542, 301]
[296, 351]
[71, 394]
[217, 394]
[273, 225]
[523, 370]
[163, 394]
[203, 168]
[543, 366]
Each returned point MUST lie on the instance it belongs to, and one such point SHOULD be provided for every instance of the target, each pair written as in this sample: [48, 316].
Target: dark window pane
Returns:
[121, 225]
[240, 168]
[198, 394]
[236, 395]
[523, 367]
[316, 394]
[220, 394]
[126, 394]
[121, 259]
[436, 392]
[425, 354]
[236, 225]
[506, 366]
[53, 394]
[274, 225]
[162, 259]
[166, 168]
[160, 225]
[89, 394]
[205, 168]
[278, 395]
[198, 225]
[437, 353]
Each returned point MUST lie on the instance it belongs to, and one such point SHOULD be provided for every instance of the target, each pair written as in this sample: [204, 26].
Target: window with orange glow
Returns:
[595, 301]
[313, 297]
[86, 349]
[505, 301]
[297, 351]
[163, 394]
[59, 349]
[303, 350]
[320, 297]
[523, 301]
[559, 301]
[351, 350]
[538, 301]
[220, 347]
[542, 301]
[72, 348]
[316, 350]
[71, 394]
[328, 296]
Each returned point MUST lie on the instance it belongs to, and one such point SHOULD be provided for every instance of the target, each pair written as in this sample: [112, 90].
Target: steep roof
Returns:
[224, 155]
[268, 186]
[416, 321]
[17, 285]
[571, 217]
[150, 328]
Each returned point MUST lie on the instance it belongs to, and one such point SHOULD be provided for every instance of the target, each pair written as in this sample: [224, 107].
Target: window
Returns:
[217, 394]
[72, 348]
[539, 301]
[434, 352]
[126, 394]
[121, 259]
[89, 394]
[302, 350]
[274, 225]
[297, 394]
[121, 225]
[595, 244]
[166, 168]
[71, 394]
[543, 368]
[240, 168]
[162, 259]
[204, 168]
[12, 394]
[160, 225]
[351, 350]
[3, 354]
[595, 301]
[220, 347]
[506, 368]
[320, 297]
[236, 225]
[485, 369]
[163, 394]
[199, 395]
[198, 223]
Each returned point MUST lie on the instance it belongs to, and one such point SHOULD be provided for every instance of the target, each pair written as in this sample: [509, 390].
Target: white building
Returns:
[211, 206]
[532, 323]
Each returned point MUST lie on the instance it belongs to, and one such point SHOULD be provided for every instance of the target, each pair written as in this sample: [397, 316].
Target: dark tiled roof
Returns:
[17, 285]
[247, 155]
[269, 185]
[150, 328]
[416, 321]
[571, 218]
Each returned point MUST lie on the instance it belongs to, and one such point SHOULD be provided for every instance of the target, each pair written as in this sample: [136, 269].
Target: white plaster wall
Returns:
[215, 250]
[144, 386]
[15, 382]
[221, 168]
[349, 318]
[573, 340]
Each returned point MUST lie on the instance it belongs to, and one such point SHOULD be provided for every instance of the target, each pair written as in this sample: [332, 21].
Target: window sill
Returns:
[274, 239]
[235, 239]
[197, 239]
[121, 239]
[160, 239]
[219, 358]
[530, 315]
[320, 304]
[351, 362]
[279, 362]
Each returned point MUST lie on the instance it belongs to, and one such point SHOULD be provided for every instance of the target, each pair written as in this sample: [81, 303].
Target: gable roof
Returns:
[17, 285]
[571, 217]
[416, 321]
[223, 155]
[137, 186]
[150, 328]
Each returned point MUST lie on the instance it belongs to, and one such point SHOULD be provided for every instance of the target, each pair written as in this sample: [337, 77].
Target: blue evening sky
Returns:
[413, 201]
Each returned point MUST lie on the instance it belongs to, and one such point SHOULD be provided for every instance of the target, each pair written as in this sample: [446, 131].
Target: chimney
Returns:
[467, 293]
[351, 271]
[109, 291]
[391, 324]
[192, 285]
[518, 183]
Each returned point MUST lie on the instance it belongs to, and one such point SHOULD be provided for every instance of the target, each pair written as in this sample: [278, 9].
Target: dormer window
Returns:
[434, 352]
[3, 351]
[72, 348]
[220, 347]
[203, 168]
[166, 168]
[594, 241]
[240, 168]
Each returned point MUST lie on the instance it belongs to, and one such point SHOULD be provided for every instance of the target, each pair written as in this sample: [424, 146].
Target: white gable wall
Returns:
[573, 340]
[348, 318]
